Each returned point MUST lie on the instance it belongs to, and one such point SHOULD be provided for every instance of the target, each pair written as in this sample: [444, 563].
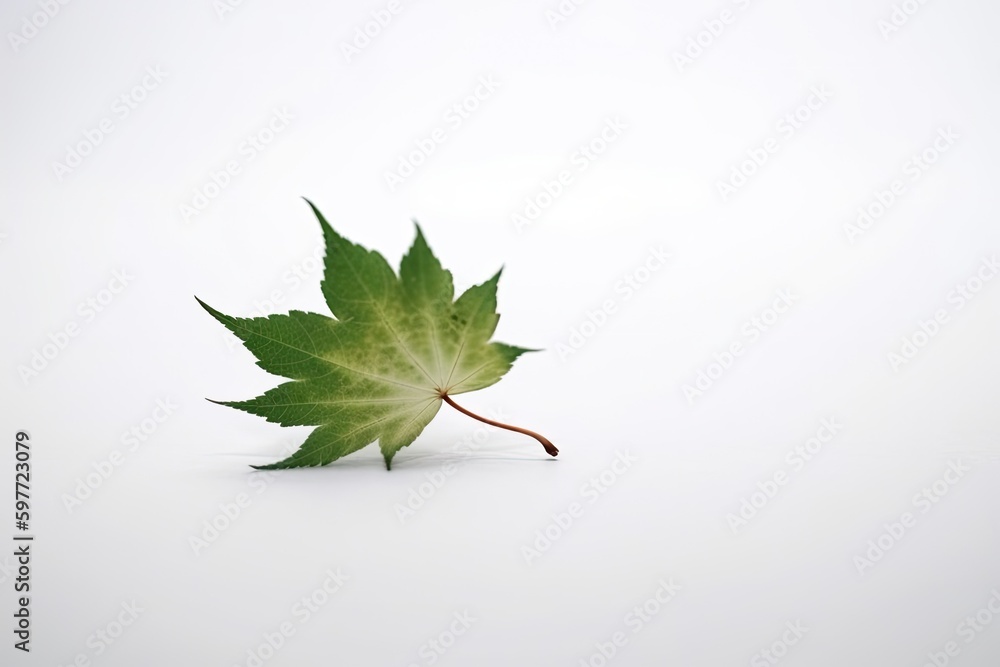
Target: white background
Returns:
[655, 186]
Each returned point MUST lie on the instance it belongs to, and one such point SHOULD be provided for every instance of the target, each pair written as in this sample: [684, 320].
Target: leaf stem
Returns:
[549, 447]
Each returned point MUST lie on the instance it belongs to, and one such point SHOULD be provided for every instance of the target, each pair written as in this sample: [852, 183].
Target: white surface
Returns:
[666, 516]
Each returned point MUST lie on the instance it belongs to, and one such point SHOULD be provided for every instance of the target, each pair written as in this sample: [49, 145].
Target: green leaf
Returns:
[396, 348]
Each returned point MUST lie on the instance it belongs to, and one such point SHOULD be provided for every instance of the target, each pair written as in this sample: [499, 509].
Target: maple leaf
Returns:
[396, 348]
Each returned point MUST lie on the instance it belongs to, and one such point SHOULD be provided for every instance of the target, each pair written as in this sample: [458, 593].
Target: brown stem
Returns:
[549, 447]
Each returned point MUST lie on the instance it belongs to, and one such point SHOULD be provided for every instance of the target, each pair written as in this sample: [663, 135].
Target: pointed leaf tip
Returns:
[319, 216]
[207, 307]
[420, 233]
